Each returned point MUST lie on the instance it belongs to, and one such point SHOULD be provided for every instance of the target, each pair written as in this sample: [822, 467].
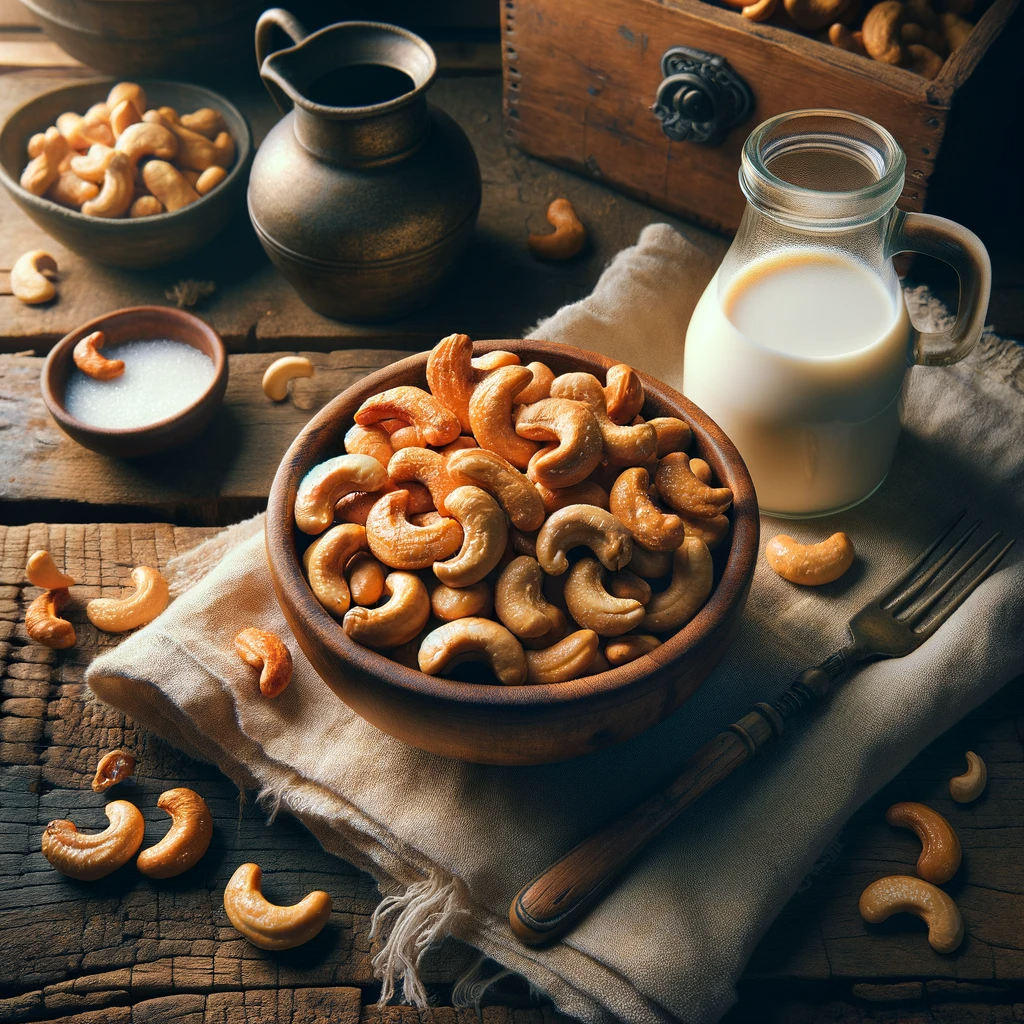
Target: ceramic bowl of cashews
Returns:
[132, 174]
[512, 552]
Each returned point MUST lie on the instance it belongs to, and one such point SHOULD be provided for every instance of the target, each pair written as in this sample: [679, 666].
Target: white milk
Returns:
[801, 362]
[160, 378]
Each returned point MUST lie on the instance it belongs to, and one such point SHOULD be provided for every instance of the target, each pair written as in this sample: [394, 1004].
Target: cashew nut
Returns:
[280, 371]
[460, 444]
[82, 132]
[197, 152]
[969, 786]
[810, 564]
[559, 629]
[484, 535]
[30, 282]
[117, 191]
[474, 639]
[374, 441]
[674, 435]
[924, 61]
[586, 492]
[539, 387]
[519, 599]
[355, 507]
[490, 414]
[401, 544]
[414, 406]
[760, 10]
[488, 361]
[566, 240]
[450, 375]
[168, 184]
[623, 393]
[122, 117]
[448, 603]
[143, 138]
[325, 483]
[92, 166]
[91, 363]
[186, 840]
[685, 493]
[955, 29]
[42, 170]
[266, 651]
[88, 857]
[567, 659]
[904, 894]
[593, 607]
[325, 560]
[115, 766]
[127, 91]
[407, 437]
[583, 524]
[44, 624]
[204, 121]
[365, 576]
[42, 571]
[812, 15]
[427, 467]
[631, 505]
[627, 584]
[576, 433]
[516, 495]
[71, 190]
[266, 924]
[881, 32]
[940, 848]
[692, 578]
[628, 648]
[853, 42]
[118, 614]
[711, 531]
[396, 621]
[701, 470]
[651, 565]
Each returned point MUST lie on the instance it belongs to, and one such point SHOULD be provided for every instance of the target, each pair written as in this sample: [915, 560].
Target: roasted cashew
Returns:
[197, 153]
[209, 179]
[955, 29]
[280, 371]
[144, 139]
[519, 599]
[396, 621]
[266, 924]
[631, 504]
[627, 584]
[523, 543]
[436, 424]
[474, 639]
[44, 624]
[566, 240]
[628, 648]
[810, 564]
[567, 659]
[853, 42]
[593, 607]
[462, 443]
[558, 631]
[88, 857]
[516, 495]
[702, 471]
[268, 652]
[407, 437]
[325, 483]
[448, 603]
[42, 571]
[812, 15]
[711, 531]
[427, 467]
[577, 448]
[940, 848]
[969, 786]
[117, 191]
[760, 10]
[91, 363]
[355, 507]
[400, 544]
[146, 206]
[168, 184]
[586, 492]
[692, 578]
[82, 132]
[30, 282]
[122, 117]
[651, 565]
[113, 767]
[881, 32]
[118, 614]
[490, 414]
[127, 91]
[924, 61]
[72, 191]
[685, 493]
[674, 435]
[42, 170]
[623, 393]
[374, 441]
[365, 576]
[539, 387]
[325, 560]
[451, 377]
[623, 445]
[583, 524]
[899, 894]
[92, 166]
[186, 840]
[204, 121]
[488, 361]
[484, 535]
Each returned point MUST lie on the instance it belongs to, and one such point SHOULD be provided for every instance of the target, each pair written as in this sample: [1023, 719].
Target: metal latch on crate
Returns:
[701, 98]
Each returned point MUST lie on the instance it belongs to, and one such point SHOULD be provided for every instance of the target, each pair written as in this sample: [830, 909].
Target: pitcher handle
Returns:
[965, 252]
[276, 17]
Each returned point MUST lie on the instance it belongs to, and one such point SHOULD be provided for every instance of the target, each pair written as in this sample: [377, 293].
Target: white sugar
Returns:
[160, 379]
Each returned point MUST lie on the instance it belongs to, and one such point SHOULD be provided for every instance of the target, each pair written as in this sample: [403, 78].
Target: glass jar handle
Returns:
[964, 251]
[276, 17]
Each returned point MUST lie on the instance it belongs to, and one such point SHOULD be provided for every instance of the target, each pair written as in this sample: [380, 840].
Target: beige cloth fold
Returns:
[451, 842]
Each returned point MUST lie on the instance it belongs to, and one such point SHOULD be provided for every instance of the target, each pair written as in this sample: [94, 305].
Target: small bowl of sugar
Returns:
[175, 373]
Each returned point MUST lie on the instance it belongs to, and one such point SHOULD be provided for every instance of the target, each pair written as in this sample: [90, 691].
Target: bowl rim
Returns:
[243, 151]
[287, 576]
[63, 350]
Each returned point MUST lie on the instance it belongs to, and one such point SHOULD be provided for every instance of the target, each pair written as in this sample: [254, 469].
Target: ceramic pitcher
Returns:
[363, 194]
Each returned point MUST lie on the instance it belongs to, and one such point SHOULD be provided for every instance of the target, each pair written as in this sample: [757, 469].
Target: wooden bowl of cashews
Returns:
[133, 242]
[467, 713]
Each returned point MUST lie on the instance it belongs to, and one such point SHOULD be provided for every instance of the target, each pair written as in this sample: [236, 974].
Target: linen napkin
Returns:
[451, 843]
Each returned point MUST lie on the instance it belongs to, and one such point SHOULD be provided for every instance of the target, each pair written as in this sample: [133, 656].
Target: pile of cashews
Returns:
[451, 528]
[121, 158]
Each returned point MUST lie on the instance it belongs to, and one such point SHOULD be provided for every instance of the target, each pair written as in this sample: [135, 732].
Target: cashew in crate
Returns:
[401, 544]
[810, 565]
[168, 184]
[940, 848]
[280, 371]
[491, 415]
[451, 603]
[567, 659]
[44, 624]
[328, 481]
[31, 277]
[149, 599]
[760, 10]
[267, 652]
[373, 440]
[924, 61]
[186, 840]
[516, 495]
[593, 607]
[682, 490]
[266, 924]
[968, 787]
[474, 639]
[904, 894]
[113, 767]
[568, 238]
[674, 435]
[117, 191]
[625, 649]
[396, 621]
[414, 406]
[692, 580]
[955, 29]
[484, 534]
[587, 492]
[577, 445]
[42, 170]
[88, 359]
[427, 467]
[325, 560]
[812, 15]
[623, 393]
[853, 42]
[42, 571]
[631, 504]
[539, 387]
[365, 576]
[127, 91]
[519, 599]
[881, 32]
[89, 857]
[574, 525]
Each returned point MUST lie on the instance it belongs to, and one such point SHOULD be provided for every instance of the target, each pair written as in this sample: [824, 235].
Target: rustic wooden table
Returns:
[126, 949]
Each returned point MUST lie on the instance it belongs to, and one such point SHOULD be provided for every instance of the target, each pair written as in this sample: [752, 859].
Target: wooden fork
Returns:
[889, 626]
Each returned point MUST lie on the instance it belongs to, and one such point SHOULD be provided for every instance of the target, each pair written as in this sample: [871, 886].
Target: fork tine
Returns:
[930, 598]
[921, 559]
[958, 599]
[933, 570]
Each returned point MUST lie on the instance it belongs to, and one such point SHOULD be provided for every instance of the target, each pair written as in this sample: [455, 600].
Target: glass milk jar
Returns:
[799, 346]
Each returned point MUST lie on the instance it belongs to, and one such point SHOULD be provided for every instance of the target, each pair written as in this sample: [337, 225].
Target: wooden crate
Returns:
[581, 77]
